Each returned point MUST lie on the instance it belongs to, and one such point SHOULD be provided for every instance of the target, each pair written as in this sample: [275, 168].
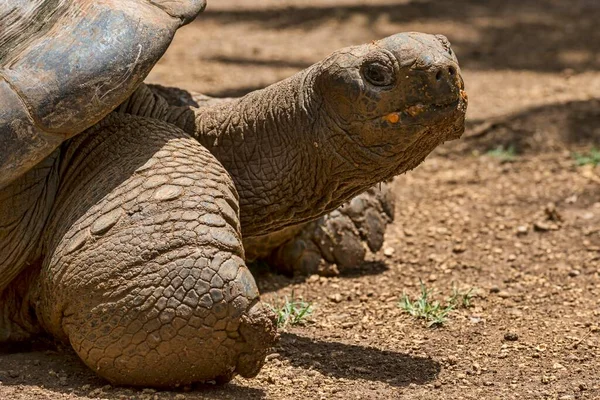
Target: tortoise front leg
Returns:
[145, 275]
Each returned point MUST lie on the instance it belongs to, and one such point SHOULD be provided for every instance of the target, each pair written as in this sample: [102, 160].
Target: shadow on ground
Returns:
[269, 280]
[348, 361]
[542, 35]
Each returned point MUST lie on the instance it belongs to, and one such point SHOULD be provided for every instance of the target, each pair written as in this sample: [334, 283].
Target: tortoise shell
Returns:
[65, 64]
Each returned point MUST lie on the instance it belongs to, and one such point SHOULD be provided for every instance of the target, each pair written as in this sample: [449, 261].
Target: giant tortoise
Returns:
[123, 206]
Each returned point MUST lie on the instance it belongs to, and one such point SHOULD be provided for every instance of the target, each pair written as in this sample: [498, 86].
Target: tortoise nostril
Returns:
[438, 75]
[452, 71]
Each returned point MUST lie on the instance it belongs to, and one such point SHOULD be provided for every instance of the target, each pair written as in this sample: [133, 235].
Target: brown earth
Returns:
[525, 232]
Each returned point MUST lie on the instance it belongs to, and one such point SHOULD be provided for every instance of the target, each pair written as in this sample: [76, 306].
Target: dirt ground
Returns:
[524, 231]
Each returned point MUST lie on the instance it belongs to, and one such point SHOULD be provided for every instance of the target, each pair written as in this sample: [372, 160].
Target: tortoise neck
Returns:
[268, 143]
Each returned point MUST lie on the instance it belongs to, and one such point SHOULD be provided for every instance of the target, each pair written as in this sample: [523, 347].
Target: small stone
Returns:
[582, 387]
[437, 384]
[459, 248]
[571, 199]
[388, 251]
[549, 379]
[574, 273]
[511, 336]
[336, 298]
[179, 396]
[522, 230]
[452, 360]
[272, 356]
[543, 226]
[494, 289]
[558, 366]
[488, 383]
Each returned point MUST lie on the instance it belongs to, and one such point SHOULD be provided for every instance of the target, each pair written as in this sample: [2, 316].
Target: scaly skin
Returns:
[143, 291]
[326, 246]
[133, 230]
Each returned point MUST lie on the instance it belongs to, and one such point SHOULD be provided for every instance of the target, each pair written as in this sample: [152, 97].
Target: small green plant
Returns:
[291, 311]
[502, 153]
[461, 299]
[432, 311]
[592, 157]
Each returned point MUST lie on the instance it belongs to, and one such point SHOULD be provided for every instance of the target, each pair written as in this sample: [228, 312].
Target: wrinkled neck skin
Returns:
[268, 142]
[277, 143]
[289, 158]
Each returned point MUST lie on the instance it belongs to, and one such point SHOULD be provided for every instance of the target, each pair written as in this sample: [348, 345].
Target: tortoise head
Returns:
[396, 99]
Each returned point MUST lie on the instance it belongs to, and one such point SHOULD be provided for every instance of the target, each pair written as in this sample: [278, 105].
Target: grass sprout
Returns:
[592, 157]
[502, 153]
[433, 311]
[291, 310]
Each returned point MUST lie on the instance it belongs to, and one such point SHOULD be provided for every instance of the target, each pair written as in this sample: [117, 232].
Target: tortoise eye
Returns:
[378, 74]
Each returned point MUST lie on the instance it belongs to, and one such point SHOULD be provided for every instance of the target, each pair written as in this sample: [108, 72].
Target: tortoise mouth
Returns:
[418, 112]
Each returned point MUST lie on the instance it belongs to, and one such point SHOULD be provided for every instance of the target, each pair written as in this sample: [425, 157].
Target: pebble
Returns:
[511, 336]
[542, 226]
[459, 248]
[336, 298]
[522, 230]
[452, 360]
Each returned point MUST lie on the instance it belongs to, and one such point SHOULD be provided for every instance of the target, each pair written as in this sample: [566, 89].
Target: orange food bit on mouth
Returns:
[392, 118]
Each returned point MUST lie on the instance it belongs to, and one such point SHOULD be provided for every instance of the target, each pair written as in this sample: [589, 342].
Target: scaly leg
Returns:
[145, 272]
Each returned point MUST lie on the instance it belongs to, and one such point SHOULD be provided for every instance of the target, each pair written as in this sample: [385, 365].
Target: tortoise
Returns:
[123, 205]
